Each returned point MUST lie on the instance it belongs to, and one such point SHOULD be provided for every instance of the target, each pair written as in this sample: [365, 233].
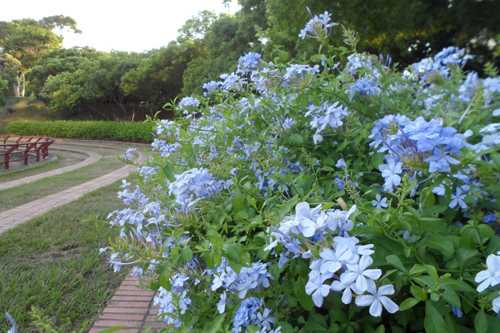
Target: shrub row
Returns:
[92, 130]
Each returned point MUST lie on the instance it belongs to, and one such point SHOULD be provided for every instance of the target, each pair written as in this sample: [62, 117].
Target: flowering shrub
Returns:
[341, 196]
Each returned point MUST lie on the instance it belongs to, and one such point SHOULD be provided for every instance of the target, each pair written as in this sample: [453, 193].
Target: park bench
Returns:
[29, 147]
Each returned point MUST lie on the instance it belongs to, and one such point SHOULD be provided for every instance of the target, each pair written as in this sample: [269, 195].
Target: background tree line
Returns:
[83, 80]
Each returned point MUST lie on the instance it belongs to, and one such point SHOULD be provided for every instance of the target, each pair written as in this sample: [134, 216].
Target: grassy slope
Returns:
[23, 108]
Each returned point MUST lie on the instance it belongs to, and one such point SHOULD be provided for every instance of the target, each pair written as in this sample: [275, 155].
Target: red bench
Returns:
[30, 146]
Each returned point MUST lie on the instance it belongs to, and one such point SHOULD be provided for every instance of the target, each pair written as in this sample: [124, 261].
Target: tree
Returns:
[3, 89]
[58, 61]
[27, 40]
[196, 27]
[9, 69]
[407, 30]
[95, 82]
[158, 78]
[226, 40]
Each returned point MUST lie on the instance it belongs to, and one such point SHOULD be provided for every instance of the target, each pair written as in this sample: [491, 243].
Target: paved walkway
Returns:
[92, 158]
[130, 306]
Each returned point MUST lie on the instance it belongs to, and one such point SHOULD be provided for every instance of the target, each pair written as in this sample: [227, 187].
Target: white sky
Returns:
[116, 24]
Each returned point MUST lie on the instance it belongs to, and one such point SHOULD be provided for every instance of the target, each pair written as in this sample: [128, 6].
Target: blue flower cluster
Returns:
[192, 186]
[318, 27]
[428, 68]
[277, 140]
[328, 230]
[248, 62]
[327, 116]
[363, 87]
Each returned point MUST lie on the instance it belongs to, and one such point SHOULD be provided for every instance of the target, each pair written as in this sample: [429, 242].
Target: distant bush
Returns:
[93, 130]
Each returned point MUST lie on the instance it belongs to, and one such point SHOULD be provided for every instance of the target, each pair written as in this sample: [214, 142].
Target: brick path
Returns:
[130, 306]
[93, 157]
[20, 214]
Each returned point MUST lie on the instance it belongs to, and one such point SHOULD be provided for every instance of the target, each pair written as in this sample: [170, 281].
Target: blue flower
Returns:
[246, 314]
[468, 89]
[14, 326]
[341, 163]
[490, 276]
[378, 299]
[390, 172]
[379, 202]
[490, 218]
[317, 27]
[300, 74]
[221, 306]
[247, 62]
[457, 198]
[317, 288]
[189, 102]
[210, 87]
[128, 154]
[364, 87]
[457, 311]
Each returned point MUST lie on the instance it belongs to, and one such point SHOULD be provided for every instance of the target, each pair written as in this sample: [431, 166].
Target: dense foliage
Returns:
[344, 196]
[73, 82]
[23, 43]
[88, 130]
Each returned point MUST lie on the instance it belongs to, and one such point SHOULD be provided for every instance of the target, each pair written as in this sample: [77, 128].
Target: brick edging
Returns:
[130, 306]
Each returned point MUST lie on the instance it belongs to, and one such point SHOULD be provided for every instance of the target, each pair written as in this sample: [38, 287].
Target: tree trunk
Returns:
[17, 86]
[23, 91]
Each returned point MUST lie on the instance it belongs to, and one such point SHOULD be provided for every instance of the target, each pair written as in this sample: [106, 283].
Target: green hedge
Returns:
[90, 130]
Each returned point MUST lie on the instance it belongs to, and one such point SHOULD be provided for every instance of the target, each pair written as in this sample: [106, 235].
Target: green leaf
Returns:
[297, 138]
[233, 251]
[300, 292]
[215, 325]
[253, 202]
[450, 323]
[251, 99]
[396, 262]
[165, 282]
[418, 269]
[408, 304]
[451, 297]
[438, 242]
[242, 214]
[433, 322]
[432, 272]
[291, 300]
[252, 329]
[480, 322]
[113, 329]
[169, 172]
[238, 200]
[285, 327]
[418, 293]
[457, 285]
[186, 254]
[286, 208]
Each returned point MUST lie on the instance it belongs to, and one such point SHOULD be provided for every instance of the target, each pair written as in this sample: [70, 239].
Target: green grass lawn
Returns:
[52, 262]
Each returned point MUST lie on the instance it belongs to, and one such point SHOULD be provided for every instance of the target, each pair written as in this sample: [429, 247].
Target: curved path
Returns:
[20, 214]
[92, 158]
[129, 306]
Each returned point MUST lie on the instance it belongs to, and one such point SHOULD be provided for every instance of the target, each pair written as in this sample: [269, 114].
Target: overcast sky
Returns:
[116, 24]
